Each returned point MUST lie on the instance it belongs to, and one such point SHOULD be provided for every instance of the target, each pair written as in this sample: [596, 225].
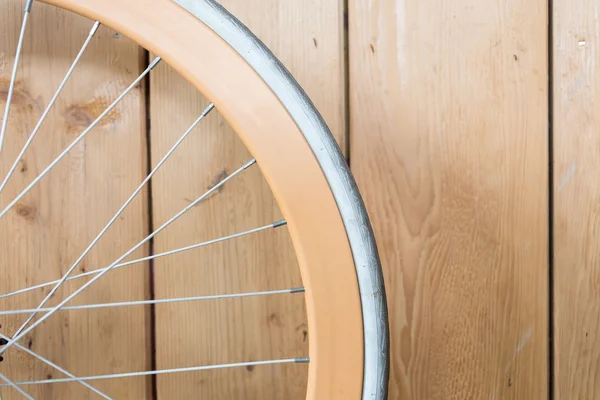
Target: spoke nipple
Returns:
[154, 63]
[250, 163]
[297, 290]
[208, 109]
[302, 360]
[95, 28]
[28, 6]
[279, 223]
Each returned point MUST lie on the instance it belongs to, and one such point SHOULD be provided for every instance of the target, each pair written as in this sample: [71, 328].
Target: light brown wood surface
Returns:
[448, 141]
[45, 233]
[310, 45]
[576, 117]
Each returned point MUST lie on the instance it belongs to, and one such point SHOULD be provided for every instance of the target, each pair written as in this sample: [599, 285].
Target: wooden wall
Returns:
[471, 127]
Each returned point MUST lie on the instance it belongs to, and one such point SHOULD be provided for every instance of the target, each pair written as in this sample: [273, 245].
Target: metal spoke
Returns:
[110, 267]
[117, 214]
[13, 77]
[50, 105]
[159, 301]
[169, 371]
[80, 137]
[151, 257]
[14, 386]
[50, 363]
[7, 342]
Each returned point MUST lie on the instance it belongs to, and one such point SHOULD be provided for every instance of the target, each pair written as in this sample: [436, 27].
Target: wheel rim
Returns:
[353, 254]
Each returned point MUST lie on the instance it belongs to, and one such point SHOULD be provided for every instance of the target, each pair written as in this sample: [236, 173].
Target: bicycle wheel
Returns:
[300, 160]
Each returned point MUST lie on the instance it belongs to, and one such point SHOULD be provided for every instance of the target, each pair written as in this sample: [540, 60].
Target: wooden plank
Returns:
[51, 226]
[576, 194]
[310, 44]
[448, 141]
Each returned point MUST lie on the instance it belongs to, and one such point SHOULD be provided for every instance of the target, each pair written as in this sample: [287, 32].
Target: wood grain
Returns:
[448, 141]
[44, 234]
[576, 117]
[215, 332]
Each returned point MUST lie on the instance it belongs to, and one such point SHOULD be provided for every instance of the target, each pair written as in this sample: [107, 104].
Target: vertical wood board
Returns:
[448, 141]
[576, 118]
[47, 230]
[307, 36]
